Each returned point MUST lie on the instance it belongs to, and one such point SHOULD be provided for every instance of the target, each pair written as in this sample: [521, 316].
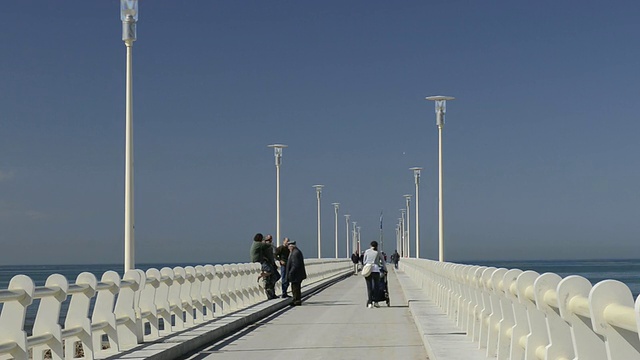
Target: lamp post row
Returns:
[129, 18]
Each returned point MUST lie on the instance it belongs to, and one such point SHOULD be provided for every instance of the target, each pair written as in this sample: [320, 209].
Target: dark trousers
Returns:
[297, 294]
[284, 280]
[372, 285]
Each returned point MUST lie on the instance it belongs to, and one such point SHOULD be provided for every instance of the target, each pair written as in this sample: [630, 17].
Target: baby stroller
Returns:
[382, 290]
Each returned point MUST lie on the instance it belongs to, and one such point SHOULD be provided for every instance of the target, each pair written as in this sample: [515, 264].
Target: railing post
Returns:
[620, 343]
[103, 320]
[560, 345]
[587, 345]
[127, 310]
[148, 309]
[46, 323]
[13, 315]
[77, 320]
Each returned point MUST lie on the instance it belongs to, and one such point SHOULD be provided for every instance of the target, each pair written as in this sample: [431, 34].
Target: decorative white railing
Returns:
[516, 314]
[115, 314]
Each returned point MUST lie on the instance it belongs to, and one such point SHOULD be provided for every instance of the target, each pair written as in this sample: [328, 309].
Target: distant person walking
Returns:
[355, 259]
[262, 252]
[395, 258]
[373, 264]
[295, 272]
[282, 255]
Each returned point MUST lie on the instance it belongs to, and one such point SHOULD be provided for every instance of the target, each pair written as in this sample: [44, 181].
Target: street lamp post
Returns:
[405, 251]
[335, 209]
[347, 216]
[129, 17]
[356, 243]
[441, 109]
[407, 197]
[318, 192]
[416, 176]
[358, 232]
[277, 152]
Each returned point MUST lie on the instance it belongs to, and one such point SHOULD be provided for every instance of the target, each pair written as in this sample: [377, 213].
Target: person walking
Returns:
[355, 259]
[262, 252]
[372, 260]
[282, 254]
[295, 272]
[395, 258]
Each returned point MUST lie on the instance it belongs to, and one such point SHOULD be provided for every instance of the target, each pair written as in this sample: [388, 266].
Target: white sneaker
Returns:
[369, 306]
[376, 304]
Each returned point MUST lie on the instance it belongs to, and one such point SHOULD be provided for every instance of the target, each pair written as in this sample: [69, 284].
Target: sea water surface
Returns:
[626, 271]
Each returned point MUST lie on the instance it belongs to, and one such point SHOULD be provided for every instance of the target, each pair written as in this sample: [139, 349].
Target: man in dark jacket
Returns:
[262, 252]
[282, 254]
[295, 272]
[355, 259]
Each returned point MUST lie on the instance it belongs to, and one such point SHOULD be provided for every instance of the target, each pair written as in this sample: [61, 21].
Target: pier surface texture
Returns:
[332, 323]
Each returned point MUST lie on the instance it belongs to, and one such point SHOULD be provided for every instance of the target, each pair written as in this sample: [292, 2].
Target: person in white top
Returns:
[375, 260]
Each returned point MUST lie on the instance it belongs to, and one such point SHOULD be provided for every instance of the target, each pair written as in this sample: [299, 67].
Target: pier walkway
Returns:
[331, 324]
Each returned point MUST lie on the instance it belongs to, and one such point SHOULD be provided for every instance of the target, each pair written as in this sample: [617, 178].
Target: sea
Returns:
[626, 271]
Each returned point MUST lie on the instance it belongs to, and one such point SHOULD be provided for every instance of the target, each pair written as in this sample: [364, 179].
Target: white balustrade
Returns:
[515, 314]
[115, 314]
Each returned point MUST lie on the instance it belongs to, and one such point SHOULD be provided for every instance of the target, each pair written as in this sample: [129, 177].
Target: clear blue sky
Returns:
[541, 150]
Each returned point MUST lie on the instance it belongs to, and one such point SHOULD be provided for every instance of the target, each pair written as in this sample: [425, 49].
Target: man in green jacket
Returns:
[262, 252]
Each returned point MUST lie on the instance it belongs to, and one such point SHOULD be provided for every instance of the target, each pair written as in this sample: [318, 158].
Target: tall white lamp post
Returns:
[129, 17]
[407, 198]
[356, 243]
[405, 251]
[318, 193]
[277, 152]
[441, 109]
[416, 176]
[358, 232]
[347, 216]
[335, 209]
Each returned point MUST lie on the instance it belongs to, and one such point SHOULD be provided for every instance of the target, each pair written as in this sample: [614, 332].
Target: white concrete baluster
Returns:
[538, 338]
[77, 325]
[506, 327]
[246, 286]
[257, 290]
[185, 295]
[485, 311]
[16, 299]
[163, 305]
[148, 308]
[127, 310]
[216, 291]
[521, 328]
[175, 299]
[206, 292]
[476, 284]
[561, 346]
[230, 288]
[47, 333]
[613, 317]
[494, 288]
[103, 320]
[196, 294]
[237, 284]
[573, 300]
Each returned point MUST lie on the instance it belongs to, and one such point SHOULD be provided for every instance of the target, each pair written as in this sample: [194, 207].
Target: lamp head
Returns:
[318, 188]
[441, 107]
[407, 196]
[129, 10]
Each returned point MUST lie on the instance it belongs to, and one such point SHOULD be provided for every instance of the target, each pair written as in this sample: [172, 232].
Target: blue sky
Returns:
[540, 146]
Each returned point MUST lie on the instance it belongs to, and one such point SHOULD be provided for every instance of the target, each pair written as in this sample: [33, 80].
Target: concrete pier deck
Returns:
[331, 324]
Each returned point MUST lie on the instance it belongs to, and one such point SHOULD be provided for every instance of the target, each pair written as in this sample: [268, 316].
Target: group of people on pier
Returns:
[290, 261]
